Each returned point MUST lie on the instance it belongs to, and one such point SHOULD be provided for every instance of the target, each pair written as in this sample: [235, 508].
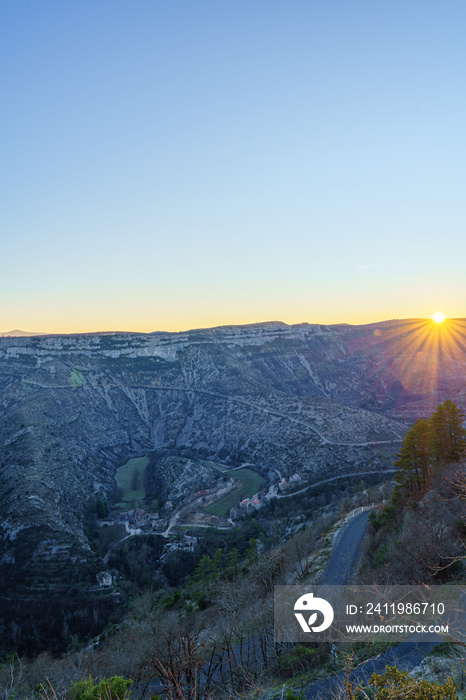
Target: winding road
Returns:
[334, 478]
[230, 399]
[341, 565]
[343, 560]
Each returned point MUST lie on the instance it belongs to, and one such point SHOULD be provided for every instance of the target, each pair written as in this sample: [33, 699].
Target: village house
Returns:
[104, 579]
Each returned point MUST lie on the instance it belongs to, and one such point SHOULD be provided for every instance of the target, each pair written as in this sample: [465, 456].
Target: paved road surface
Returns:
[340, 567]
[345, 554]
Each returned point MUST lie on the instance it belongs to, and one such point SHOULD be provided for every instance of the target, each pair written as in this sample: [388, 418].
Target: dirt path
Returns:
[333, 478]
[237, 400]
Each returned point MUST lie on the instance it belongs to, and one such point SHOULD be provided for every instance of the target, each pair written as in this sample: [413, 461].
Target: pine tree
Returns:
[428, 444]
[233, 560]
[423, 442]
[252, 551]
[217, 564]
[448, 433]
[414, 459]
[203, 573]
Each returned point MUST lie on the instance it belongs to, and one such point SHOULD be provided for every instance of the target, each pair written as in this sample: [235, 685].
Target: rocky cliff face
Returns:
[313, 400]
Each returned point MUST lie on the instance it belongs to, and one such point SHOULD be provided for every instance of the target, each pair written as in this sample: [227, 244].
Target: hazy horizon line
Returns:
[18, 333]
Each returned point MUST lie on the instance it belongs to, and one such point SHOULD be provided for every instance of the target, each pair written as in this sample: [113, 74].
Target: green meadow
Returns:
[130, 478]
[214, 465]
[251, 482]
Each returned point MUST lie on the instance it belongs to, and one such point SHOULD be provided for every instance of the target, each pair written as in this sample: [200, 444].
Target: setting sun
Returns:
[438, 317]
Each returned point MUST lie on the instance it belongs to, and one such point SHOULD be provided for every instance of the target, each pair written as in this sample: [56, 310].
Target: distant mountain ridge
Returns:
[18, 334]
[260, 324]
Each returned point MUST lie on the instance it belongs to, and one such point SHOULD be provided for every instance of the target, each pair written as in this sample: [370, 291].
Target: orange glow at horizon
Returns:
[176, 324]
[179, 315]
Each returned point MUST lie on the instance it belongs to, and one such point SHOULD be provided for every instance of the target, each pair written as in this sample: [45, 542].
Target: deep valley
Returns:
[294, 405]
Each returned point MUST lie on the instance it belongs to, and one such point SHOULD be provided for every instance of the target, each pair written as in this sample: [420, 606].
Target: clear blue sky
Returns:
[168, 164]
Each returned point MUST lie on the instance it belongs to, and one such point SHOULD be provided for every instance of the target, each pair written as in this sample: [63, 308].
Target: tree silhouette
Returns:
[428, 445]
[448, 434]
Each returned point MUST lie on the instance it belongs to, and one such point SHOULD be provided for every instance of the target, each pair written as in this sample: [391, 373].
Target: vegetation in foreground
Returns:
[420, 536]
[224, 603]
[211, 636]
[393, 684]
